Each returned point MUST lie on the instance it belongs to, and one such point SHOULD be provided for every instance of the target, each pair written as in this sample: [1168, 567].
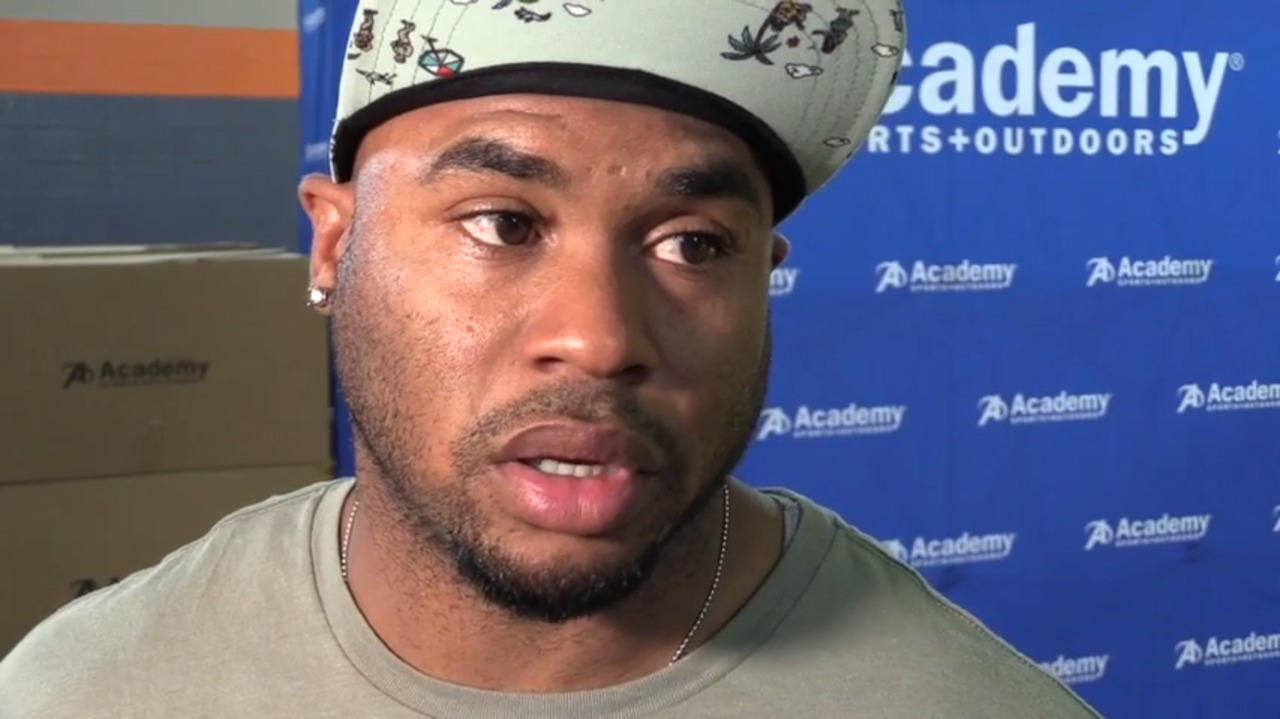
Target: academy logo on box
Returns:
[1127, 532]
[1276, 513]
[1034, 409]
[1025, 99]
[1219, 651]
[928, 277]
[941, 552]
[1078, 670]
[1163, 272]
[782, 281]
[134, 373]
[1228, 397]
[817, 423]
[1277, 268]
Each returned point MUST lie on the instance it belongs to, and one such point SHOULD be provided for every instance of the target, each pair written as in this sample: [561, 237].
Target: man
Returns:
[545, 250]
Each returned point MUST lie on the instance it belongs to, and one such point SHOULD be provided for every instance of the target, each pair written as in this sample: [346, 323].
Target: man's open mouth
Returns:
[582, 451]
[560, 468]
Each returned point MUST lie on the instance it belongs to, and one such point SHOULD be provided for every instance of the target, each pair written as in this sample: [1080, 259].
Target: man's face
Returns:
[551, 326]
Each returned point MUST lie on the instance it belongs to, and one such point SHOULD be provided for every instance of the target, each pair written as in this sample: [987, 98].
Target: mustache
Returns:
[612, 404]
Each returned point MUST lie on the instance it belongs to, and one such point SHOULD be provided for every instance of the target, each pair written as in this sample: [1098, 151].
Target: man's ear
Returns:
[780, 250]
[329, 207]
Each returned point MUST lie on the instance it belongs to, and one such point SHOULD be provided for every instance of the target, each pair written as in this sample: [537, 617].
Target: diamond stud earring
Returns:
[318, 298]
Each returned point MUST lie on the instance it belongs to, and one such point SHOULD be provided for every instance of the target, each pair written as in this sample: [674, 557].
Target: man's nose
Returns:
[594, 316]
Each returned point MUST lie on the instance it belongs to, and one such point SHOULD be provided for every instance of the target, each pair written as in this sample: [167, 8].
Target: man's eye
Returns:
[693, 248]
[505, 229]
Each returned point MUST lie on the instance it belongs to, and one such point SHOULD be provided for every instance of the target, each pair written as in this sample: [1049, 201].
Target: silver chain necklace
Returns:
[702, 613]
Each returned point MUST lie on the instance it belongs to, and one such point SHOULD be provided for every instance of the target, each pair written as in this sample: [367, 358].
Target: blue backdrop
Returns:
[1030, 339]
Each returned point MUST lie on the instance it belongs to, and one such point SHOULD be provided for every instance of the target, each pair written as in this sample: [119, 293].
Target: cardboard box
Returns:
[64, 539]
[138, 360]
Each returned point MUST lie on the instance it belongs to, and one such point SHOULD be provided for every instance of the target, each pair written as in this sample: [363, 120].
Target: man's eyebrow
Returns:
[488, 155]
[724, 179]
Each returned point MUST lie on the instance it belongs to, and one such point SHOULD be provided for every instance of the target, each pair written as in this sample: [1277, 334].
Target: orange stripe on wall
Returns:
[158, 60]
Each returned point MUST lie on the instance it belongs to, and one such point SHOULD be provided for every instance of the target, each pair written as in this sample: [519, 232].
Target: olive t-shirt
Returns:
[254, 620]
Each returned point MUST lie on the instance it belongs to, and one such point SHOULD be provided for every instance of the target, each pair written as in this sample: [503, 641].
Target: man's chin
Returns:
[556, 595]
[535, 551]
[563, 583]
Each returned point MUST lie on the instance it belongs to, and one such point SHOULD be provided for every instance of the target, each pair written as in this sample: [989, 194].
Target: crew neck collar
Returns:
[668, 687]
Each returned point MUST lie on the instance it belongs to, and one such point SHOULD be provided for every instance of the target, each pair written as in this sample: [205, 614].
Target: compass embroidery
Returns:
[440, 61]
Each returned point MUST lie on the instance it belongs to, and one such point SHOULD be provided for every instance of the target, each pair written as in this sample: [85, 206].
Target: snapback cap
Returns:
[801, 83]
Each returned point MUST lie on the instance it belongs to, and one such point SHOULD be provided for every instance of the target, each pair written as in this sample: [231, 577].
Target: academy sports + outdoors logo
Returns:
[1129, 532]
[967, 548]
[1163, 272]
[1078, 670]
[1219, 651]
[1153, 102]
[1228, 397]
[782, 281]
[807, 422]
[134, 373]
[1033, 409]
[314, 20]
[941, 277]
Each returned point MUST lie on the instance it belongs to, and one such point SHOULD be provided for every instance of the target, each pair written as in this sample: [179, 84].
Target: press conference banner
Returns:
[1030, 338]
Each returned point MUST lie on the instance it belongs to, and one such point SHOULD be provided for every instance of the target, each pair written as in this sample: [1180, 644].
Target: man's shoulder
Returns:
[157, 621]
[879, 619]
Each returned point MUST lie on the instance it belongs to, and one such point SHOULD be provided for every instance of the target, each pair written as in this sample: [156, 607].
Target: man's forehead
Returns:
[708, 174]
[530, 119]
[547, 143]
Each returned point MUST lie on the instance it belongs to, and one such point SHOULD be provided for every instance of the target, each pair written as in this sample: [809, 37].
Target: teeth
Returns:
[567, 469]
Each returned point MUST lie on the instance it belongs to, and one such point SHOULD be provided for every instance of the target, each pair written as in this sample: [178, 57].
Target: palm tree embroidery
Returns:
[785, 14]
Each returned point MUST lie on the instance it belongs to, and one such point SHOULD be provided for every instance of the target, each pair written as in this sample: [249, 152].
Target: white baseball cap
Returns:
[802, 82]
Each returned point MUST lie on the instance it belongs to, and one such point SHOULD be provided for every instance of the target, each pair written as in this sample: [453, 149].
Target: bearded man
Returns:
[545, 247]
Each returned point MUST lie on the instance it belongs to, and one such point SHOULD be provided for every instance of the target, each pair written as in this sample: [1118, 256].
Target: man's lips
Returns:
[579, 443]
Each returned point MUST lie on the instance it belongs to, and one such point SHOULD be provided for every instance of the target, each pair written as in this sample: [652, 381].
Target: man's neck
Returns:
[438, 625]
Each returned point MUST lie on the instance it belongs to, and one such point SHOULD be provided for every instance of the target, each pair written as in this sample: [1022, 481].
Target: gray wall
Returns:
[271, 14]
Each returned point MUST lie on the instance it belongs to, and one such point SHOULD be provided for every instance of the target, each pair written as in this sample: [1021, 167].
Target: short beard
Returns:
[445, 520]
